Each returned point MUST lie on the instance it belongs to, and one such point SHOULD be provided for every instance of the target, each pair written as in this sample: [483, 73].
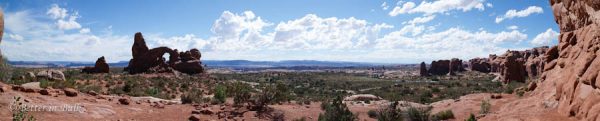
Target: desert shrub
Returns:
[389, 113]
[372, 113]
[44, 83]
[88, 88]
[220, 94]
[5, 70]
[240, 92]
[471, 118]
[278, 116]
[336, 110]
[300, 119]
[418, 114]
[193, 96]
[485, 107]
[69, 83]
[152, 91]
[444, 115]
[20, 113]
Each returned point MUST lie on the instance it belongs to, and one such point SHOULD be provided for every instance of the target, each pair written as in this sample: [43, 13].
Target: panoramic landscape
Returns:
[350, 60]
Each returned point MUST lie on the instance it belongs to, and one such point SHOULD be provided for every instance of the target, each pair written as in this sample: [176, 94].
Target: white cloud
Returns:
[545, 38]
[406, 7]
[419, 20]
[68, 24]
[15, 37]
[56, 12]
[384, 6]
[65, 21]
[513, 27]
[489, 5]
[447, 44]
[84, 30]
[313, 32]
[441, 6]
[519, 14]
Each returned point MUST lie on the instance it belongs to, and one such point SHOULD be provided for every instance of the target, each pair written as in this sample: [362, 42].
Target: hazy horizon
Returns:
[388, 31]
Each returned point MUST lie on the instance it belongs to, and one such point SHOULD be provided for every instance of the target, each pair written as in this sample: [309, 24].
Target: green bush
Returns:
[193, 96]
[471, 118]
[389, 113]
[5, 70]
[240, 92]
[220, 94]
[300, 119]
[372, 113]
[20, 113]
[485, 107]
[336, 110]
[152, 91]
[444, 115]
[44, 83]
[419, 114]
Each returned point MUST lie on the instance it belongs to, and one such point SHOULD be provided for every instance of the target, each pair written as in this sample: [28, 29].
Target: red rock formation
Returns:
[100, 67]
[1, 25]
[456, 65]
[578, 63]
[440, 67]
[518, 65]
[480, 64]
[152, 60]
[423, 69]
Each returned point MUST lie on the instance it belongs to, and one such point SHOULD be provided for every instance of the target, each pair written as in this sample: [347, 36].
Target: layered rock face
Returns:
[446, 67]
[440, 67]
[480, 64]
[577, 59]
[456, 65]
[423, 69]
[100, 67]
[151, 60]
[519, 65]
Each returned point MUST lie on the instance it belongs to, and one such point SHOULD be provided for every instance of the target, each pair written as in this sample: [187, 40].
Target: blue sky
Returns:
[388, 31]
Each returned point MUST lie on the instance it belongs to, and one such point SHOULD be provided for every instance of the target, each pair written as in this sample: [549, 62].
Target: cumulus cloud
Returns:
[65, 21]
[441, 6]
[419, 20]
[545, 38]
[57, 12]
[510, 14]
[446, 44]
[513, 27]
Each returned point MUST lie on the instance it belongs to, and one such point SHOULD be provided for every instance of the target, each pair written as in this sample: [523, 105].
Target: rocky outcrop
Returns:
[151, 60]
[100, 67]
[423, 69]
[52, 75]
[446, 67]
[577, 60]
[1, 25]
[440, 67]
[456, 65]
[480, 64]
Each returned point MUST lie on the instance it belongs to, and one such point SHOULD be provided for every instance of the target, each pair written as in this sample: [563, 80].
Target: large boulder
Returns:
[100, 67]
[52, 75]
[151, 60]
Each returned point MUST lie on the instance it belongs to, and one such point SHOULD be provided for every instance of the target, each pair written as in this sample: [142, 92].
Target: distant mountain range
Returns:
[208, 63]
